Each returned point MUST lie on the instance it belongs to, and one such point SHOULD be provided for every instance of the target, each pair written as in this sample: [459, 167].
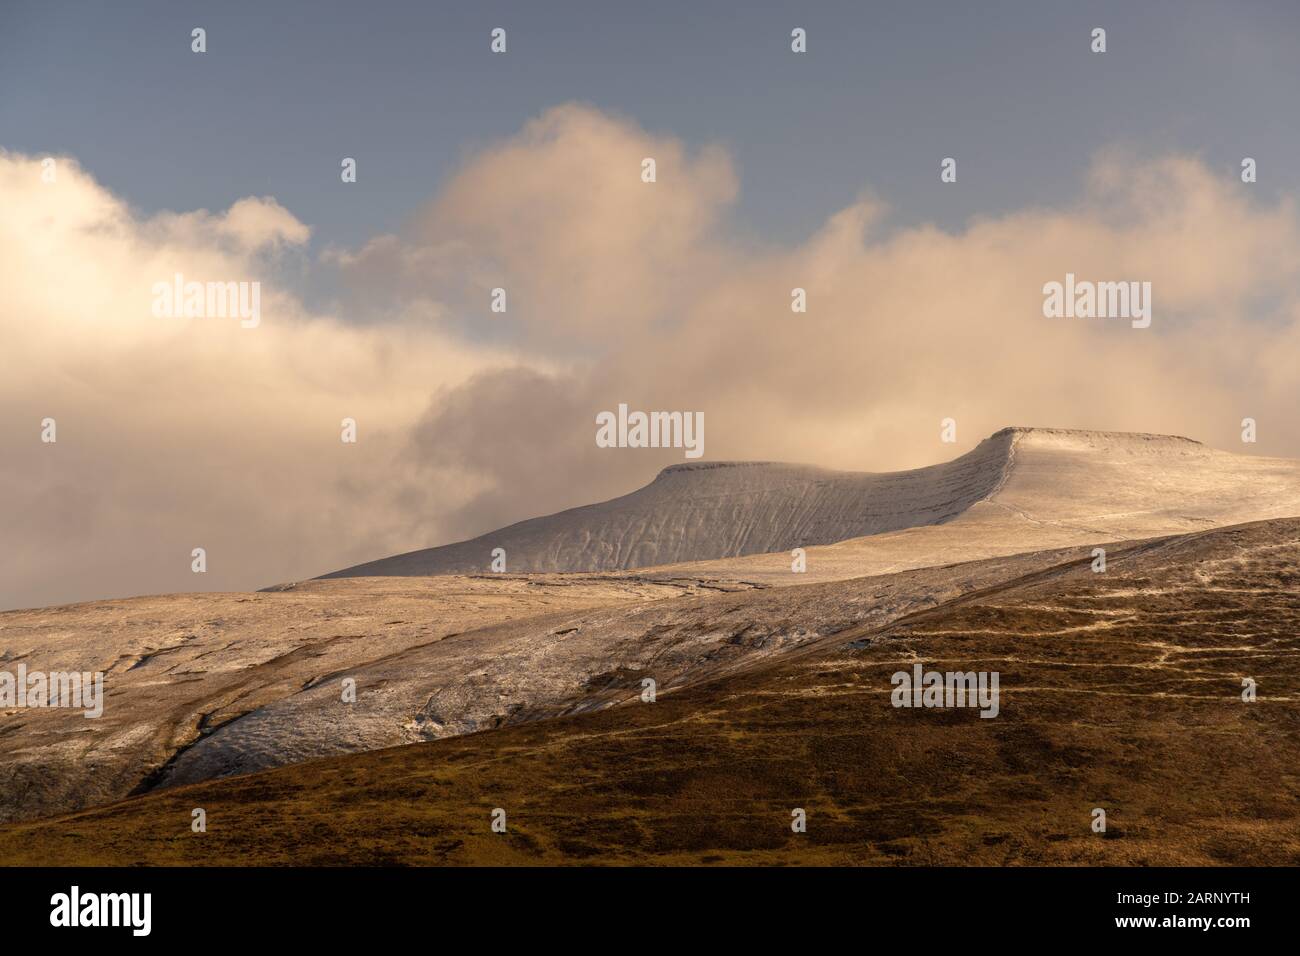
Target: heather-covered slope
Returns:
[1120, 691]
[202, 685]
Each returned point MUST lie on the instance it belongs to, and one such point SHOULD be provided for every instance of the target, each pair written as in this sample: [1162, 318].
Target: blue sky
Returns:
[886, 90]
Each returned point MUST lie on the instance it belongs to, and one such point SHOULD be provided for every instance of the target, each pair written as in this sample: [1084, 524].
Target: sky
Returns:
[522, 171]
[885, 90]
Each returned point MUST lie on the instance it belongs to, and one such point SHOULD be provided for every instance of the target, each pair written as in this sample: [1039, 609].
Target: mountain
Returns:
[701, 511]
[1035, 486]
[200, 686]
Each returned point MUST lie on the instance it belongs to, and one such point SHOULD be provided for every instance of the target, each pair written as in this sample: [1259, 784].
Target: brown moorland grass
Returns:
[1120, 691]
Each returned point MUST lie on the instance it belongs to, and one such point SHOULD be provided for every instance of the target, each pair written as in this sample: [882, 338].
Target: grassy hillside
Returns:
[1119, 691]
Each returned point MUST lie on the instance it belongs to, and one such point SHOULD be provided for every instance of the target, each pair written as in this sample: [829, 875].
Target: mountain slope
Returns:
[213, 684]
[1120, 691]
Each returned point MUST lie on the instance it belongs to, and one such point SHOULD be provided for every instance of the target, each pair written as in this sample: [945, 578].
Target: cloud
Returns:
[257, 223]
[251, 225]
[559, 217]
[176, 433]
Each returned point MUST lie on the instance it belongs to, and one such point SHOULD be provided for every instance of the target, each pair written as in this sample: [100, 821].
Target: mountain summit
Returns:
[1093, 482]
